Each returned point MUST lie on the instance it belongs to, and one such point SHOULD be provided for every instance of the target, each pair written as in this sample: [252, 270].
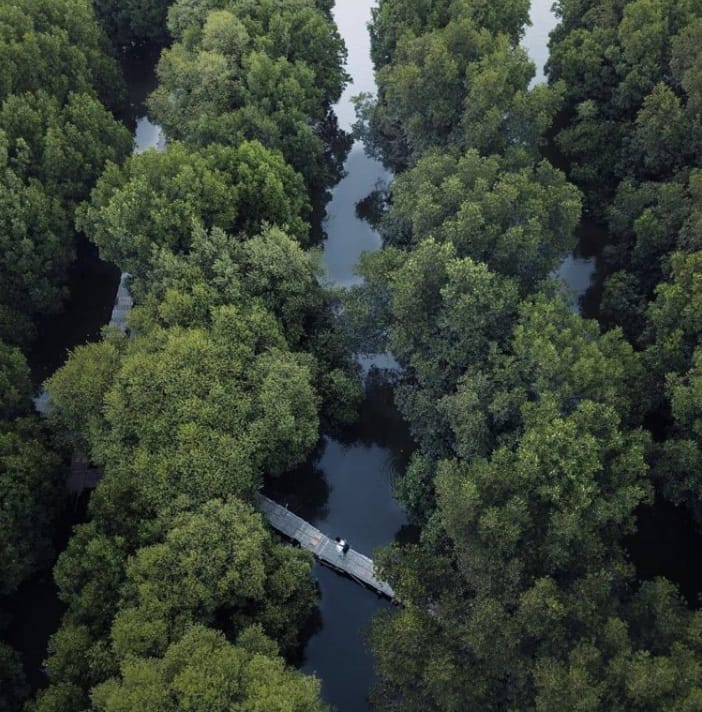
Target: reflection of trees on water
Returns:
[337, 146]
[304, 490]
[379, 422]
[312, 626]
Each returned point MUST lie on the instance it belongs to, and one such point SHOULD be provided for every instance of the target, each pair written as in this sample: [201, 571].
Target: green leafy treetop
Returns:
[155, 199]
[202, 672]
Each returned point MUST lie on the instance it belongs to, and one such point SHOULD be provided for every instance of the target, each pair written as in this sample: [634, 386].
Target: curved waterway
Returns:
[346, 488]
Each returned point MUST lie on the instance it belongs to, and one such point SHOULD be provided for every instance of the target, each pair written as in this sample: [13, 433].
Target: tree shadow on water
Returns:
[304, 490]
[379, 422]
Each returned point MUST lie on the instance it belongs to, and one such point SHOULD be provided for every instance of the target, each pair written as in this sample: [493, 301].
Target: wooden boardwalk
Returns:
[122, 306]
[353, 564]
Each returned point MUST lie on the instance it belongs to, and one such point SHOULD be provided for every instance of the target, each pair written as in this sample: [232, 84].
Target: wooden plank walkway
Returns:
[122, 306]
[353, 564]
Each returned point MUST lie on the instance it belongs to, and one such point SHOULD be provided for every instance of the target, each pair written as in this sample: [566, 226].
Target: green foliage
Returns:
[89, 574]
[55, 137]
[630, 76]
[35, 255]
[216, 564]
[128, 22]
[441, 314]
[156, 199]
[482, 100]
[15, 384]
[271, 271]
[56, 46]
[532, 460]
[65, 146]
[31, 479]
[232, 354]
[393, 19]
[78, 389]
[674, 318]
[519, 223]
[202, 413]
[263, 71]
[555, 506]
[203, 673]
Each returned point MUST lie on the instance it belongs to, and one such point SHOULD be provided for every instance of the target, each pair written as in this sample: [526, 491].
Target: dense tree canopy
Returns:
[217, 566]
[533, 459]
[157, 198]
[630, 130]
[203, 673]
[129, 22]
[519, 223]
[200, 412]
[31, 475]
[55, 138]
[482, 101]
[231, 364]
[265, 71]
[56, 46]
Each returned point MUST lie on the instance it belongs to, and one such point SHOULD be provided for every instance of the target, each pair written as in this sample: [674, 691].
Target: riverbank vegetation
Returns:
[177, 595]
[541, 434]
[58, 87]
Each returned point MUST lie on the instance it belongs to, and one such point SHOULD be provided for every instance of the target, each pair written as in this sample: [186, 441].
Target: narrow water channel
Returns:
[346, 488]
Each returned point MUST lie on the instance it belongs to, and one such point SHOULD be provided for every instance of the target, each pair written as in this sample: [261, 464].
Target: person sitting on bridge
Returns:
[342, 546]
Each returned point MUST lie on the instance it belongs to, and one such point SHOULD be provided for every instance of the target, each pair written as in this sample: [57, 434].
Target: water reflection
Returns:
[536, 36]
[148, 135]
[347, 236]
[338, 654]
[346, 487]
[576, 273]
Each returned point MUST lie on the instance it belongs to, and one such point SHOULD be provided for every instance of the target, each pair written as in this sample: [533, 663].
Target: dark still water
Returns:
[92, 286]
[346, 489]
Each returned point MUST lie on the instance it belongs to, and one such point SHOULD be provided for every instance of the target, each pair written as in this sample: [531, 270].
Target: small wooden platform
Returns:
[353, 564]
[123, 304]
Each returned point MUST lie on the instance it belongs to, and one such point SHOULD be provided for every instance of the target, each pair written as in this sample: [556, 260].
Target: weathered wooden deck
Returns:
[353, 564]
[123, 304]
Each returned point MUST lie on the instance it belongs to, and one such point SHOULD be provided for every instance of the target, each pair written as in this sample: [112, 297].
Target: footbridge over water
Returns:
[352, 563]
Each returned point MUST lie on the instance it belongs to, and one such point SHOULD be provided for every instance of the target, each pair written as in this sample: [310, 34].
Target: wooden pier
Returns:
[352, 563]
